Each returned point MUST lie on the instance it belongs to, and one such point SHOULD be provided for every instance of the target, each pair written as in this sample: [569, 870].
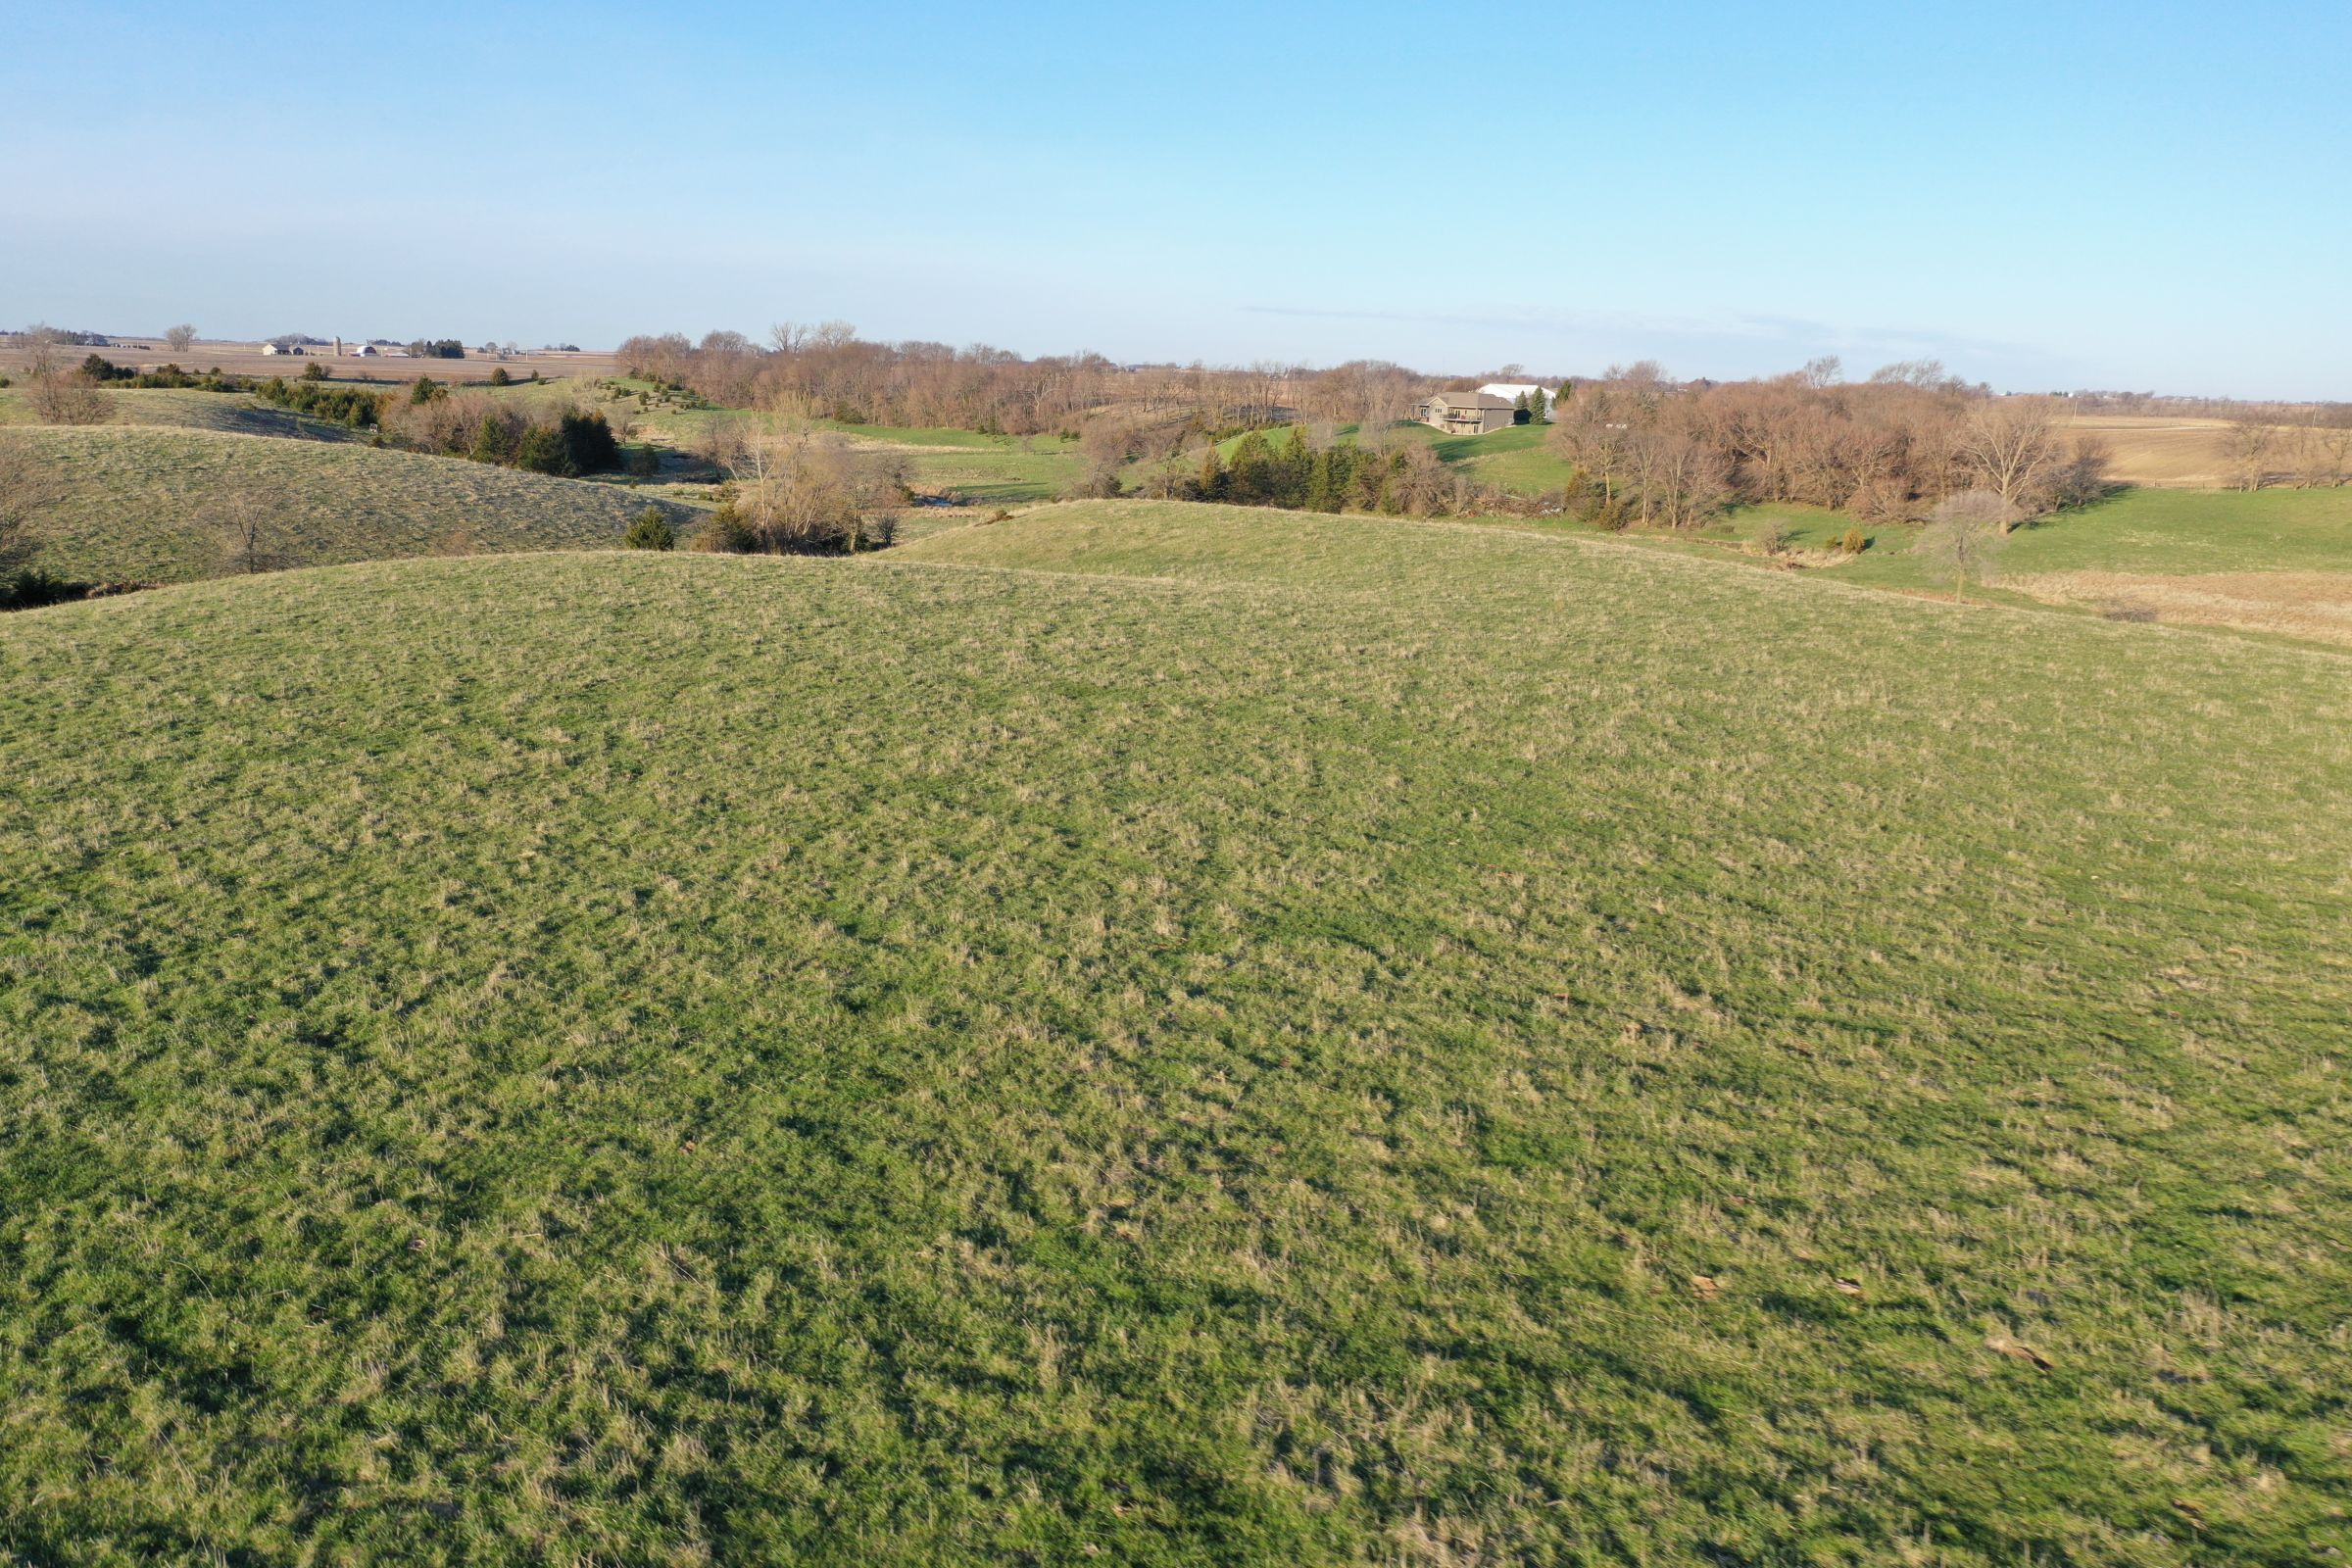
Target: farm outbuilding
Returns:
[1466, 413]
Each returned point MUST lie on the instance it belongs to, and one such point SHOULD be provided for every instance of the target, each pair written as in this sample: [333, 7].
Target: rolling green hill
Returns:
[149, 505]
[978, 469]
[1167, 1035]
[238, 412]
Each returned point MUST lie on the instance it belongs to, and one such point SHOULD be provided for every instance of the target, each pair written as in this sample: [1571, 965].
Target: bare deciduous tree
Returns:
[1925, 376]
[2011, 445]
[1592, 433]
[2323, 449]
[242, 521]
[1419, 486]
[723, 442]
[801, 493]
[179, 337]
[61, 393]
[2249, 441]
[1687, 483]
[1105, 443]
[1965, 536]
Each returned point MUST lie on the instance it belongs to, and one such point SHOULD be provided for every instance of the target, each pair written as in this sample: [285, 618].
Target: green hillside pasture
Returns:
[146, 504]
[989, 471]
[2170, 532]
[1513, 458]
[1390, 1042]
[237, 412]
[983, 471]
[1516, 458]
[2274, 562]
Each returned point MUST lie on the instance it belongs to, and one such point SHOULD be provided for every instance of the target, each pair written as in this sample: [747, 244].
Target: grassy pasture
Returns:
[151, 504]
[985, 470]
[1167, 1035]
[2143, 451]
[237, 412]
[1516, 458]
[2270, 560]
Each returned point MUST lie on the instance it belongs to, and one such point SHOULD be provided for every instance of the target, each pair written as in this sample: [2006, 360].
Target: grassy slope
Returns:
[147, 504]
[2164, 531]
[236, 412]
[887, 1061]
[2172, 531]
[987, 470]
[1516, 458]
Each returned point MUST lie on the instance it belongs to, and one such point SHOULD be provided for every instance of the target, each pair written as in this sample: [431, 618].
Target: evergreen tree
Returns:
[1520, 413]
[589, 443]
[1318, 494]
[1537, 405]
[1299, 467]
[542, 451]
[1392, 483]
[1342, 459]
[1211, 481]
[650, 529]
[1248, 477]
[491, 443]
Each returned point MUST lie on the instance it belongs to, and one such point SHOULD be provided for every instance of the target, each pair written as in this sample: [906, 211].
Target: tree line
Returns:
[2305, 445]
[829, 372]
[1653, 452]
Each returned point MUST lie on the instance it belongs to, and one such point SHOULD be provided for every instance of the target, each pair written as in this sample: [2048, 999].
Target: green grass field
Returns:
[984, 470]
[2167, 531]
[136, 504]
[235, 412]
[995, 471]
[1516, 458]
[1167, 1035]
[2279, 561]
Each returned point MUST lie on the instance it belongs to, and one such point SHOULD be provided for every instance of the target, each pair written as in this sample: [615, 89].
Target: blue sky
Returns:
[2138, 195]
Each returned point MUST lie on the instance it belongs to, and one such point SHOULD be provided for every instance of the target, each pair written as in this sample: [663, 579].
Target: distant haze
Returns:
[2092, 195]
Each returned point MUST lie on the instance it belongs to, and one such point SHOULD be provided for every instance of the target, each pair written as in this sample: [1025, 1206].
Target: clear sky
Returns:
[2140, 195]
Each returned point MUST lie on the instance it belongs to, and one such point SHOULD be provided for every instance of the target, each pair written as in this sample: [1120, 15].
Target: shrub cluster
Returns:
[345, 405]
[796, 493]
[1406, 478]
[650, 529]
[486, 430]
[98, 370]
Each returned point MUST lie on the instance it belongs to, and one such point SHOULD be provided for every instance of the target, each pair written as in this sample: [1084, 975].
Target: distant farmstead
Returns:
[1466, 413]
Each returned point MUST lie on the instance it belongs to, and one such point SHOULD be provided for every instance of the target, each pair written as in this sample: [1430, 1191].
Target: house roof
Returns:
[1470, 400]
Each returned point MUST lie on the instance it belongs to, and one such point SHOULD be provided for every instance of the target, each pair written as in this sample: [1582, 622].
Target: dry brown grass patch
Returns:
[2315, 605]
